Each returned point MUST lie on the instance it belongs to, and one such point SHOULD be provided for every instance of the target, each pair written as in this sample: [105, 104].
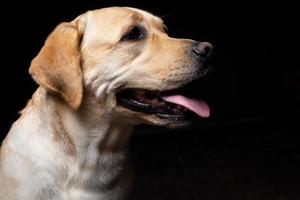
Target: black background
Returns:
[255, 84]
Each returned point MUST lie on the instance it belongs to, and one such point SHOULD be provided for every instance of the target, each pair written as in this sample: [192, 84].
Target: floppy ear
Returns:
[57, 66]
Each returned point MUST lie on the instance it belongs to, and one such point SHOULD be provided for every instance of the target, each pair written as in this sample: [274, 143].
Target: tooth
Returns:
[162, 103]
[154, 101]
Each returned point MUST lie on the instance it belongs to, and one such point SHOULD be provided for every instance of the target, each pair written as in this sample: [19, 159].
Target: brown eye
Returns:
[135, 34]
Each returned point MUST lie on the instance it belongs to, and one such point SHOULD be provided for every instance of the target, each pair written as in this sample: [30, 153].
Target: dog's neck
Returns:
[87, 133]
[97, 125]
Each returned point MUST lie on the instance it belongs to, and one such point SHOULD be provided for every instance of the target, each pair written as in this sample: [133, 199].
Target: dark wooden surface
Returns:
[249, 162]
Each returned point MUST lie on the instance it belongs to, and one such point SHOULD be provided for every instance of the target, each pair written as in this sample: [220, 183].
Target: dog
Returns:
[98, 75]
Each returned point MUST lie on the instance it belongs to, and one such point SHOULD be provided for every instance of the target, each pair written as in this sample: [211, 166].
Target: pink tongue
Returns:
[198, 106]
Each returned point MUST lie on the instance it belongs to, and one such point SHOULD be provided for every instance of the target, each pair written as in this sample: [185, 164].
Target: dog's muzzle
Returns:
[174, 105]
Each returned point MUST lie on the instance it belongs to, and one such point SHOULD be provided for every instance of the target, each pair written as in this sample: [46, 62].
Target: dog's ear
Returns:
[57, 66]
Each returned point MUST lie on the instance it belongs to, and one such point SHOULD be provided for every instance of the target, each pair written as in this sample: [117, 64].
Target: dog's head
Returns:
[126, 60]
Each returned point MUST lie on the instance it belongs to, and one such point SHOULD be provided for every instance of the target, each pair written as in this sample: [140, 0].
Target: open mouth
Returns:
[166, 105]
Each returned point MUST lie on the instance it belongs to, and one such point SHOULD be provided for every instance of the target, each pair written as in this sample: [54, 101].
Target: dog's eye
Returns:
[134, 34]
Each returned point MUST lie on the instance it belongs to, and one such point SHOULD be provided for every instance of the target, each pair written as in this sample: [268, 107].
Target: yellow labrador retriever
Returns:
[98, 76]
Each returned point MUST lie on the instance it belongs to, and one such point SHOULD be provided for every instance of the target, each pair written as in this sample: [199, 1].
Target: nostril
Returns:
[203, 49]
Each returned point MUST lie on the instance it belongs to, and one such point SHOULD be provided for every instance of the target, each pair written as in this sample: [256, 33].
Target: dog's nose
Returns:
[203, 49]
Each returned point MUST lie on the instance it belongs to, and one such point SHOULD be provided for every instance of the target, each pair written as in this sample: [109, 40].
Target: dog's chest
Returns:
[106, 177]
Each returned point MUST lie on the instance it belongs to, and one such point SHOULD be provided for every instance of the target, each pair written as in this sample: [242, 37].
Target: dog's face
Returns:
[124, 57]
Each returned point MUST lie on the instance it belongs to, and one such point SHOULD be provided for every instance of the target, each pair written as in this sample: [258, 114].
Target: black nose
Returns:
[203, 49]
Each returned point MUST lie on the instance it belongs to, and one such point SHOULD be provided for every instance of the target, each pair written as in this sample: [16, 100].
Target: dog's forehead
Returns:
[107, 25]
[148, 16]
[116, 15]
